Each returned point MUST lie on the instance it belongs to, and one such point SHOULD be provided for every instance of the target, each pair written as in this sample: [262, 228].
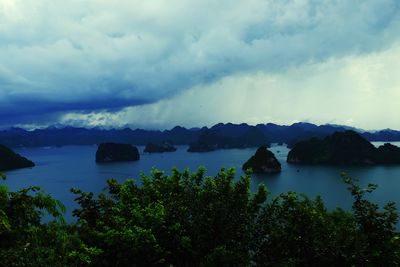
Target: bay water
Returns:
[58, 169]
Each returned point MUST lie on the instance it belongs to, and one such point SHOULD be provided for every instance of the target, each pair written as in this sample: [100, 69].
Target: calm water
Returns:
[59, 169]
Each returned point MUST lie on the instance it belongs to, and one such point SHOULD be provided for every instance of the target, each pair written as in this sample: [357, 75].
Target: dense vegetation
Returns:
[187, 219]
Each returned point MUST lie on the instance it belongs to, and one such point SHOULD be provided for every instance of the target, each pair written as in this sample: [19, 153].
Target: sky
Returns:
[155, 64]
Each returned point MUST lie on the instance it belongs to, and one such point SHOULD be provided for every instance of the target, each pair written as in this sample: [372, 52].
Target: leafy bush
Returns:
[183, 219]
[26, 240]
[188, 219]
[293, 230]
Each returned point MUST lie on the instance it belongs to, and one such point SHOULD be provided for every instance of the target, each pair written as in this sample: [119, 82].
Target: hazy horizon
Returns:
[132, 127]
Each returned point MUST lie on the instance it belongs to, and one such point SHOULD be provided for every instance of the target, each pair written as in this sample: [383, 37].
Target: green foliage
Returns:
[377, 241]
[25, 240]
[189, 219]
[293, 230]
[183, 219]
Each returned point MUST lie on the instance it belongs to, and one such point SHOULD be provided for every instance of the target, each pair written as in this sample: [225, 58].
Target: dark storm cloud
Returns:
[62, 56]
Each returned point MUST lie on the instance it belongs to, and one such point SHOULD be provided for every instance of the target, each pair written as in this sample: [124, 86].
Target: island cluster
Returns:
[340, 148]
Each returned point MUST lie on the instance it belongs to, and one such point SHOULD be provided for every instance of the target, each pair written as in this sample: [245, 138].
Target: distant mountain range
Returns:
[290, 134]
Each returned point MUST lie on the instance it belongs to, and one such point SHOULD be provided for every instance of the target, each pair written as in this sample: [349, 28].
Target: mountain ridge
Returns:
[290, 134]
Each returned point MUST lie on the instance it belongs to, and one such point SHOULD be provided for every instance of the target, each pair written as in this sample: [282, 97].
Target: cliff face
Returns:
[111, 152]
[263, 161]
[342, 148]
[10, 160]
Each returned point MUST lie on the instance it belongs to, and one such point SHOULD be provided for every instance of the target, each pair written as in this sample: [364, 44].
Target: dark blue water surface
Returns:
[59, 169]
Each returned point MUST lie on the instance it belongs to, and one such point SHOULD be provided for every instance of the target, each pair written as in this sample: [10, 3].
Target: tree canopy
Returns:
[190, 219]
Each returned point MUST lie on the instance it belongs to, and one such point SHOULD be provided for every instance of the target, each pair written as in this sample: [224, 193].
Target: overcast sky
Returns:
[156, 64]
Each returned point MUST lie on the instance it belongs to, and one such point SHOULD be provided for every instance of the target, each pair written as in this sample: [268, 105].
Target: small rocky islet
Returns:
[263, 161]
[159, 148]
[113, 152]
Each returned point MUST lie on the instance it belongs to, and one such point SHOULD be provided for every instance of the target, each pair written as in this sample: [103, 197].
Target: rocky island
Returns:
[346, 147]
[159, 148]
[263, 161]
[10, 160]
[111, 152]
[388, 154]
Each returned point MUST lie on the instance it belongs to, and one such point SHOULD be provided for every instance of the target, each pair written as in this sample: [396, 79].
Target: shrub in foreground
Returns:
[189, 219]
[182, 220]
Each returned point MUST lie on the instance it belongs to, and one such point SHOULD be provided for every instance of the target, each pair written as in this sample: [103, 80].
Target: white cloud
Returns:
[357, 90]
[68, 56]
